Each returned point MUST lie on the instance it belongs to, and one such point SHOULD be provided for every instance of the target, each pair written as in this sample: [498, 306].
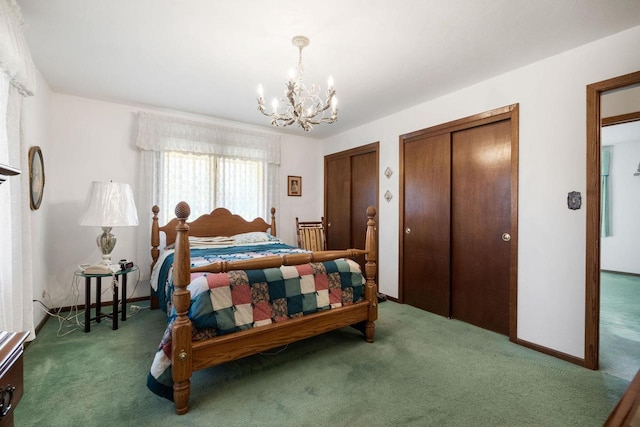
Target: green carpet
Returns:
[619, 324]
[423, 370]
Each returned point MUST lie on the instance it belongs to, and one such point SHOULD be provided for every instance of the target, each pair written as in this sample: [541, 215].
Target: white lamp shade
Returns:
[109, 204]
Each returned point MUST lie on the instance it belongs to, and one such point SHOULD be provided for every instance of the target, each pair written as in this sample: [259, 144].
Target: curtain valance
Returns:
[164, 133]
[15, 59]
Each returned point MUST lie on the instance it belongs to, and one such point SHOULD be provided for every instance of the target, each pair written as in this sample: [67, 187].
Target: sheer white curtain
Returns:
[242, 177]
[206, 165]
[176, 181]
[17, 79]
[6, 226]
[15, 59]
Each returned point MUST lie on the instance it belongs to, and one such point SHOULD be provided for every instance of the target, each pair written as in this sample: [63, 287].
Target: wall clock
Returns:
[36, 177]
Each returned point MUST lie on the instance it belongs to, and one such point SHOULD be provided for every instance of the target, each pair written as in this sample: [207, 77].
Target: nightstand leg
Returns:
[98, 299]
[124, 297]
[87, 304]
[114, 310]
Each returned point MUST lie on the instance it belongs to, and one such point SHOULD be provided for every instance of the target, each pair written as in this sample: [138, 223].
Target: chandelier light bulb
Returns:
[301, 104]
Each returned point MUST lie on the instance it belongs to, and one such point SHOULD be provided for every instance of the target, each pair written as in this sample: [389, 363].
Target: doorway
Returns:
[458, 219]
[593, 207]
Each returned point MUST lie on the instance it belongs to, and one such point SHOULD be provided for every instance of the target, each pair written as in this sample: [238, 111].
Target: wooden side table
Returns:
[121, 276]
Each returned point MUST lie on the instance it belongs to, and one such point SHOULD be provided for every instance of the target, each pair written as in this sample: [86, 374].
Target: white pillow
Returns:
[204, 242]
[209, 241]
[163, 241]
[253, 237]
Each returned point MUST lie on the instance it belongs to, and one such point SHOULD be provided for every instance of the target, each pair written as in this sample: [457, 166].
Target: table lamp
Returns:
[108, 204]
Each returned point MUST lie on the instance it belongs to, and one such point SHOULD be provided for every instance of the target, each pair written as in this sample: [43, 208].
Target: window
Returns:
[206, 165]
[208, 181]
[241, 187]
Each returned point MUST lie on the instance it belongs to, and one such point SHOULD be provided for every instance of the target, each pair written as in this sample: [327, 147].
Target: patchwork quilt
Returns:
[223, 303]
[162, 279]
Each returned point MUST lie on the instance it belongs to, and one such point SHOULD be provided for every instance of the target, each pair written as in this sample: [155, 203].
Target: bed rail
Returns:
[276, 261]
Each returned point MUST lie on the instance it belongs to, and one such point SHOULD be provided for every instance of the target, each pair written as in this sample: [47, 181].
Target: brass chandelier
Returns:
[300, 104]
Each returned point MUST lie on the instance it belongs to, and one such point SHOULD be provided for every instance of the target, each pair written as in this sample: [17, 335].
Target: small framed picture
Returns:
[294, 186]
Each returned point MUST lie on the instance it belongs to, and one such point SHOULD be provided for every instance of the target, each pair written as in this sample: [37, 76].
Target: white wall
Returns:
[36, 127]
[621, 251]
[95, 141]
[552, 162]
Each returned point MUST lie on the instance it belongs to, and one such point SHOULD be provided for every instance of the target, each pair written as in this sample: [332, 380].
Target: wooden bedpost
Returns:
[273, 222]
[181, 332]
[155, 236]
[370, 267]
[155, 253]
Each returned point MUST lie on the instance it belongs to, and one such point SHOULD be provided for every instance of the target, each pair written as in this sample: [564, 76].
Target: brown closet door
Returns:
[480, 214]
[337, 205]
[364, 189]
[425, 239]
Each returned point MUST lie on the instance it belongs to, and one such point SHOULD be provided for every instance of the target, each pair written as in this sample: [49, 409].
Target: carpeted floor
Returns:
[619, 324]
[423, 370]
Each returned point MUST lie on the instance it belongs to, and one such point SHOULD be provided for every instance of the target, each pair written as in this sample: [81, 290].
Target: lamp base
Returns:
[106, 242]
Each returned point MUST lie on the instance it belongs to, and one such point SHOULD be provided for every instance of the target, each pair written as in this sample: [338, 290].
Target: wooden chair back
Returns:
[311, 235]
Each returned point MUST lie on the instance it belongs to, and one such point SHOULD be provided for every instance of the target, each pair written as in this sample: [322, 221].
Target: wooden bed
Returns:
[188, 356]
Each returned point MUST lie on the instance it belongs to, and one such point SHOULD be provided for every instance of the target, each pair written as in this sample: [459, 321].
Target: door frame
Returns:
[509, 112]
[592, 267]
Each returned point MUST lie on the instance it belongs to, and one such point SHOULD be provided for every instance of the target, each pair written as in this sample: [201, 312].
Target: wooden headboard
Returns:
[220, 222]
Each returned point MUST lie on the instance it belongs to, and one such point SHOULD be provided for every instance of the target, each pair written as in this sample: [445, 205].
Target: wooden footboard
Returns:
[188, 356]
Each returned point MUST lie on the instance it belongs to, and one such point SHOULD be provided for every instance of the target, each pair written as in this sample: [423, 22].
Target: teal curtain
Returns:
[604, 192]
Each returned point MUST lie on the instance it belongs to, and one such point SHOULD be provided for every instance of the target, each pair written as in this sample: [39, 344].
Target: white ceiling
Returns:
[207, 57]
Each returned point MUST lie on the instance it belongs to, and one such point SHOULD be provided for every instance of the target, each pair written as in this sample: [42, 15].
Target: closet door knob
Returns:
[506, 237]
[407, 230]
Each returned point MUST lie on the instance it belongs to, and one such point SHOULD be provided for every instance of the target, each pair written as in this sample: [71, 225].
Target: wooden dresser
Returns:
[11, 374]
